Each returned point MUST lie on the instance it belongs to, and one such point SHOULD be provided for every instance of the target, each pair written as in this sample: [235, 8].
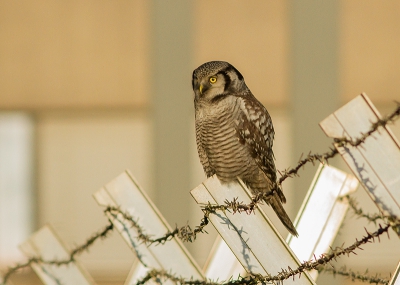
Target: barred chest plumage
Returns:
[220, 149]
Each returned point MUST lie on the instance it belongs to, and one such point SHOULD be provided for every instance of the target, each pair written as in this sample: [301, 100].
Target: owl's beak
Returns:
[201, 88]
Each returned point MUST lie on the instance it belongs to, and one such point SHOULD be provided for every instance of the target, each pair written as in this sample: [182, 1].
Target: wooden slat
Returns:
[322, 213]
[46, 244]
[376, 162]
[252, 238]
[222, 263]
[396, 276]
[125, 193]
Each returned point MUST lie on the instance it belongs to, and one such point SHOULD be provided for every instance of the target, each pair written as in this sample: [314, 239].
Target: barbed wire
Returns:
[184, 233]
[187, 234]
[252, 279]
[354, 275]
[358, 211]
[284, 274]
[374, 127]
[101, 234]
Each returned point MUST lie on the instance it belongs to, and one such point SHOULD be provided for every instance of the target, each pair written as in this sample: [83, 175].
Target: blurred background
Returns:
[91, 88]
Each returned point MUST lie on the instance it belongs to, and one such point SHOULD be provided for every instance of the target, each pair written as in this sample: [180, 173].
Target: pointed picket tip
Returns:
[124, 193]
[322, 212]
[376, 162]
[46, 244]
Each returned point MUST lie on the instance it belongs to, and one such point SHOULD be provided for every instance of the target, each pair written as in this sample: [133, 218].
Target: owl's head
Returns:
[215, 79]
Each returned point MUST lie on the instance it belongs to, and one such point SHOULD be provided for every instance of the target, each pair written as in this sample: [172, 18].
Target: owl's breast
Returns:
[218, 140]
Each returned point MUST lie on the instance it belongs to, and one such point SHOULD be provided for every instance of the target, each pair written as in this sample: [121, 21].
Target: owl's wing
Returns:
[255, 130]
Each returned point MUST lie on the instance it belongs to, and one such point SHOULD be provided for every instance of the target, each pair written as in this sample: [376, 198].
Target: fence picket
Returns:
[46, 244]
[222, 263]
[376, 162]
[125, 193]
[322, 213]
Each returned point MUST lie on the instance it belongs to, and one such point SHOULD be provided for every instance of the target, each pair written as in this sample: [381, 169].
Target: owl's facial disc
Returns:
[211, 86]
[212, 80]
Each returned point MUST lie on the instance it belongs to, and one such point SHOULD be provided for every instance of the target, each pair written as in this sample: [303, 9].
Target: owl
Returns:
[234, 133]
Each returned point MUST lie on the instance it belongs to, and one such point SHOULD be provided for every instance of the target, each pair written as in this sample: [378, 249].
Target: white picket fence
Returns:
[249, 243]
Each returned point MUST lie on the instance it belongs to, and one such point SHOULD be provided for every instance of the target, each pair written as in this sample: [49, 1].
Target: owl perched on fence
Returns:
[234, 133]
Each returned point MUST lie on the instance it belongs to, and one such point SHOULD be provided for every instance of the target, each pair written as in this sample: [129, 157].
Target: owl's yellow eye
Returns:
[213, 79]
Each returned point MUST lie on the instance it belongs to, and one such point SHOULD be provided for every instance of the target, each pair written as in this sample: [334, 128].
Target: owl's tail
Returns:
[282, 215]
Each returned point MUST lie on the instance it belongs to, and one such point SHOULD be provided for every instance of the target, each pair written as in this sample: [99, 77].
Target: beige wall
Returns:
[83, 70]
[73, 54]
[253, 36]
[369, 49]
[95, 53]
